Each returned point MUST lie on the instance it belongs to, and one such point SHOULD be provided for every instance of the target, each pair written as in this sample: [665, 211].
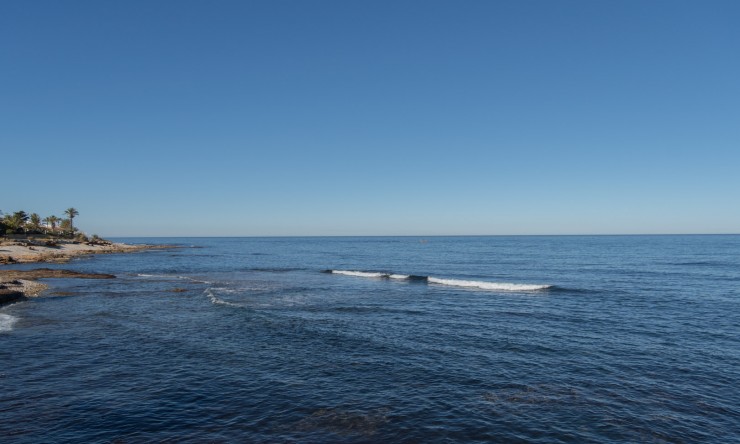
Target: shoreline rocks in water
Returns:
[13, 289]
[47, 273]
[7, 296]
[20, 284]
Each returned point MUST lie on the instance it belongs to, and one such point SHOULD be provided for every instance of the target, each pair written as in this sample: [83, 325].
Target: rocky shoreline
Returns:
[19, 284]
[19, 252]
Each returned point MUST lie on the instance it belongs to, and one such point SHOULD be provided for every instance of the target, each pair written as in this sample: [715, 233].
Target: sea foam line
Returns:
[215, 300]
[163, 276]
[360, 274]
[172, 276]
[368, 274]
[481, 285]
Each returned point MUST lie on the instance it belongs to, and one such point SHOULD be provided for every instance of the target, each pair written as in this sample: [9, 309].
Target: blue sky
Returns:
[373, 118]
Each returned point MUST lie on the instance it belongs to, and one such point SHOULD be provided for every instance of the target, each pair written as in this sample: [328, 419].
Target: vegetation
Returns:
[34, 221]
[66, 226]
[51, 222]
[15, 221]
[20, 223]
[71, 213]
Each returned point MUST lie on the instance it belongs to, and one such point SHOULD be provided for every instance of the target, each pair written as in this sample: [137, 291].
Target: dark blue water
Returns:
[624, 339]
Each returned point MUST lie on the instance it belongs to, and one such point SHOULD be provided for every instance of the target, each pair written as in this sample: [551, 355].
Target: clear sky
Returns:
[373, 117]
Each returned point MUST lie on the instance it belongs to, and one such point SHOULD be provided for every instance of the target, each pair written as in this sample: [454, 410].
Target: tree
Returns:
[20, 217]
[66, 226]
[52, 222]
[16, 220]
[71, 213]
[35, 222]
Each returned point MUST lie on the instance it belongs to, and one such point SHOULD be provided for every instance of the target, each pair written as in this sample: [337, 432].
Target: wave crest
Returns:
[481, 285]
[360, 273]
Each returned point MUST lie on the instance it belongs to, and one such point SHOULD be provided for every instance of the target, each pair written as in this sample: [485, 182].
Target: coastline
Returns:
[20, 284]
[21, 252]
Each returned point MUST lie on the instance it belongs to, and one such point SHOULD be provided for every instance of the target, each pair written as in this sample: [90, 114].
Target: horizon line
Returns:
[429, 236]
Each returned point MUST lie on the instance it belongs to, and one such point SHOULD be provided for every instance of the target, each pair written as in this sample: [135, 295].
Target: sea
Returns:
[498, 339]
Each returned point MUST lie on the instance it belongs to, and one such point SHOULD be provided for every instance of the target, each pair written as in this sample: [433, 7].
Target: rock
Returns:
[63, 293]
[46, 273]
[8, 296]
[7, 260]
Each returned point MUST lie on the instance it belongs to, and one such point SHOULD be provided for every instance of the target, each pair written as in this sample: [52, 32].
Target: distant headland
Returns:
[27, 238]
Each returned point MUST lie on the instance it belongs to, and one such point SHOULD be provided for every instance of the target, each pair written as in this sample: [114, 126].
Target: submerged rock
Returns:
[46, 273]
[23, 282]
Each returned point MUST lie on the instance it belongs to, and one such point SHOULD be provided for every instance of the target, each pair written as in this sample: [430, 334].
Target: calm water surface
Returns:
[459, 339]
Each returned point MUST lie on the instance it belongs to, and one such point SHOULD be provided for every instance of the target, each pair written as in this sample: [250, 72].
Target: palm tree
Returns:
[52, 221]
[71, 212]
[66, 226]
[35, 221]
[17, 220]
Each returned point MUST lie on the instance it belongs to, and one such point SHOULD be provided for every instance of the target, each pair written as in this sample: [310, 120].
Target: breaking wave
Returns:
[480, 285]
[483, 285]
[360, 274]
[6, 322]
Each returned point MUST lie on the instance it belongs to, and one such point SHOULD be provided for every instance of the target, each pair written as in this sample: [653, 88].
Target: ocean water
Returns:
[400, 339]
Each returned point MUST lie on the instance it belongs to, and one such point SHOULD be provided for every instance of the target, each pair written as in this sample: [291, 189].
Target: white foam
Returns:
[227, 290]
[215, 300]
[483, 285]
[398, 276]
[171, 276]
[6, 322]
[360, 274]
[160, 276]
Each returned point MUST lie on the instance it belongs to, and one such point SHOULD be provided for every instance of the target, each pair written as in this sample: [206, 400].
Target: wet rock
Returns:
[8, 296]
[47, 273]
